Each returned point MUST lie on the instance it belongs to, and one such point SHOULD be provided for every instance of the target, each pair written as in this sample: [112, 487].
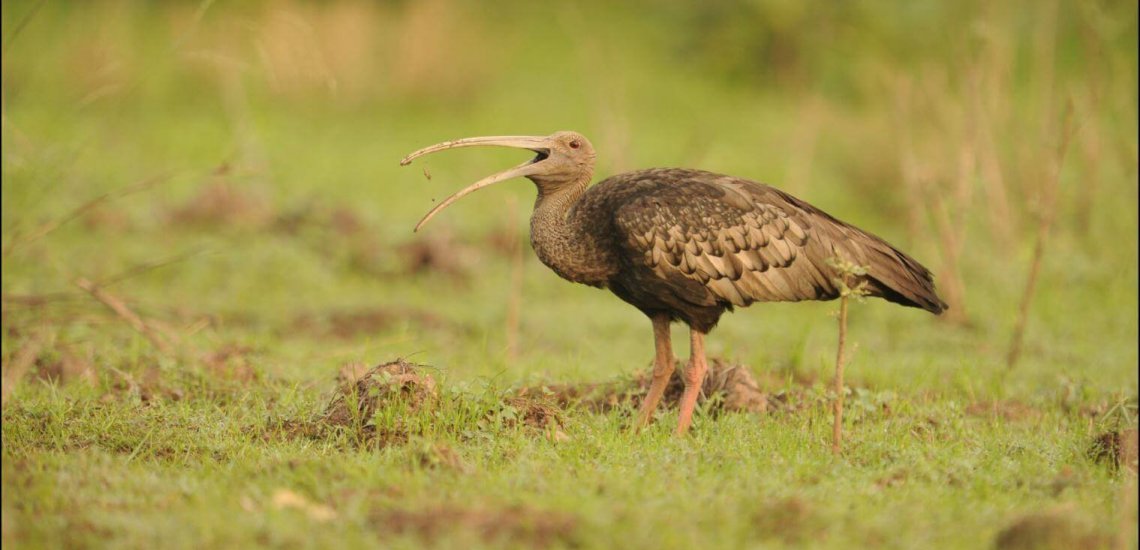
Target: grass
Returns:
[257, 219]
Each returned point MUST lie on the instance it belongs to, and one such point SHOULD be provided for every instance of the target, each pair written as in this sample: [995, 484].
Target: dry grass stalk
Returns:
[125, 313]
[1048, 213]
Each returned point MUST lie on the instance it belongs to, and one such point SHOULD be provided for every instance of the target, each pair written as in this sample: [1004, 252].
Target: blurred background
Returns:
[230, 172]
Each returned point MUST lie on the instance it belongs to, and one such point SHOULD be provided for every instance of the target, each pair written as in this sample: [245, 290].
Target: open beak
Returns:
[540, 145]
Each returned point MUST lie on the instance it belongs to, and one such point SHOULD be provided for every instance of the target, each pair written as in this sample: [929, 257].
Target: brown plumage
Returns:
[687, 245]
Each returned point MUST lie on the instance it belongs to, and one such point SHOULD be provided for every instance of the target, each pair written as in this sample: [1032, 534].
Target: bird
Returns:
[686, 245]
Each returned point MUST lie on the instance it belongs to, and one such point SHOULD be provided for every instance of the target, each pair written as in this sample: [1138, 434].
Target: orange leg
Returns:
[662, 370]
[694, 378]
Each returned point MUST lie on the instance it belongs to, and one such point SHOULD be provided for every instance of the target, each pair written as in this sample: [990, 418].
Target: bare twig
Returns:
[125, 313]
[1045, 221]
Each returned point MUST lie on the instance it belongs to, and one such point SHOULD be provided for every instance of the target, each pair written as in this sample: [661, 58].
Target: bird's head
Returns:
[563, 159]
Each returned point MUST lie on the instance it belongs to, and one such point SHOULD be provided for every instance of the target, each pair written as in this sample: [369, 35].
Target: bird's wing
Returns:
[748, 242]
[740, 239]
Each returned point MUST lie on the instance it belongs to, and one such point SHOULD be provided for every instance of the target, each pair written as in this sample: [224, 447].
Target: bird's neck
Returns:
[562, 239]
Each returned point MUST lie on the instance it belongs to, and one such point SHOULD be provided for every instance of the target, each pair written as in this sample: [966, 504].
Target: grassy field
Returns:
[205, 224]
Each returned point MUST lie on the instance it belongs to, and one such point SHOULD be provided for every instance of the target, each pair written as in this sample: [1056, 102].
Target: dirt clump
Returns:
[733, 384]
[362, 392]
[517, 524]
[1118, 448]
[1048, 530]
[531, 411]
[538, 413]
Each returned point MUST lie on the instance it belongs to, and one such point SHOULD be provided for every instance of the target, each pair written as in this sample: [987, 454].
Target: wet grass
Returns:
[255, 220]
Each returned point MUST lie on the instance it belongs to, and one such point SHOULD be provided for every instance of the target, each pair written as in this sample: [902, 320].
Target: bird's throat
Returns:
[563, 241]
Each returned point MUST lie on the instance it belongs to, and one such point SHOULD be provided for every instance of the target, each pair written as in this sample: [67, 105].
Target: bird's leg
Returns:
[662, 370]
[694, 379]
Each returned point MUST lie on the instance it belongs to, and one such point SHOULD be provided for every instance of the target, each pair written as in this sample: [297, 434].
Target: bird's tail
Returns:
[896, 277]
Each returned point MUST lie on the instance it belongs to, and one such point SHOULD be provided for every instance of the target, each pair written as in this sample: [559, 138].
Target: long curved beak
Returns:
[537, 144]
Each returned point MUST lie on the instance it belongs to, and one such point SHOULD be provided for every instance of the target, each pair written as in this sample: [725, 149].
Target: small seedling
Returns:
[849, 279]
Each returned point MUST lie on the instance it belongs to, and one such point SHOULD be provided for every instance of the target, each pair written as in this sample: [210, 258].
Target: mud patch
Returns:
[1053, 529]
[516, 524]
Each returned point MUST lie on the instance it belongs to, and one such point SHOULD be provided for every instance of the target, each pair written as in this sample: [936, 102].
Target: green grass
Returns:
[307, 270]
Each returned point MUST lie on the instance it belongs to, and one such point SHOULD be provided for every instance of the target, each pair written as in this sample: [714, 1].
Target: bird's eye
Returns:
[575, 144]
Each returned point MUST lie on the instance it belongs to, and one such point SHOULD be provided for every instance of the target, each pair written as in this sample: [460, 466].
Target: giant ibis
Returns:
[687, 245]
